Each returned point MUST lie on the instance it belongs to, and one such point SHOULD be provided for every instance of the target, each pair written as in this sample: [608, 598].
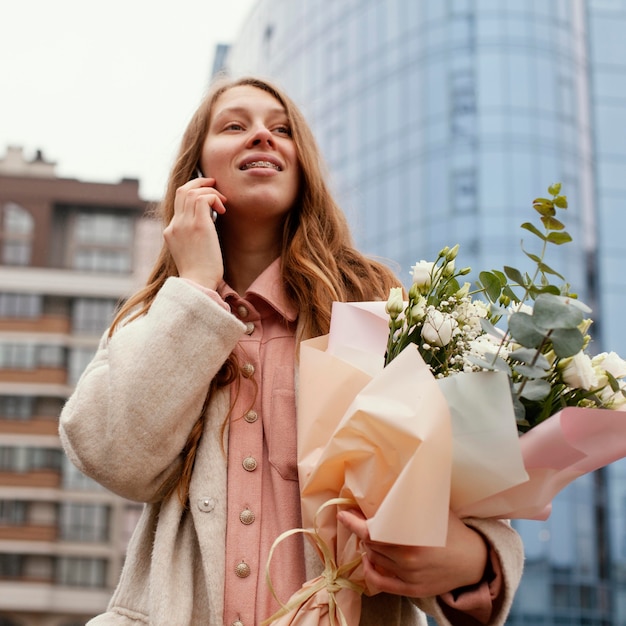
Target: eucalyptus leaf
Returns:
[526, 355]
[532, 257]
[536, 390]
[514, 274]
[524, 330]
[561, 202]
[552, 311]
[530, 371]
[490, 329]
[492, 285]
[534, 230]
[546, 269]
[559, 238]
[551, 223]
[567, 342]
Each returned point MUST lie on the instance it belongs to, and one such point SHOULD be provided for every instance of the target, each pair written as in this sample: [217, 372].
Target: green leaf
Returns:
[546, 269]
[532, 257]
[549, 289]
[559, 238]
[507, 291]
[500, 276]
[554, 189]
[544, 207]
[525, 355]
[514, 274]
[534, 230]
[530, 371]
[552, 311]
[615, 386]
[490, 329]
[524, 330]
[567, 342]
[561, 202]
[536, 390]
[551, 223]
[491, 284]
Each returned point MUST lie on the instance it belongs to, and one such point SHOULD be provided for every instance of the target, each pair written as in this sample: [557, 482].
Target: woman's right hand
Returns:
[191, 236]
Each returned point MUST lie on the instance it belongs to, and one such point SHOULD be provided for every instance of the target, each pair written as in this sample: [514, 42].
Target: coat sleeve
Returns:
[489, 602]
[134, 406]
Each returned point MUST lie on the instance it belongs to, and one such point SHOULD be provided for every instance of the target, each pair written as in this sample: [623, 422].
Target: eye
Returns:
[283, 129]
[233, 126]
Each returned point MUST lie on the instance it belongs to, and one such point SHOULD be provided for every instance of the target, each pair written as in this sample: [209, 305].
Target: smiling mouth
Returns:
[262, 164]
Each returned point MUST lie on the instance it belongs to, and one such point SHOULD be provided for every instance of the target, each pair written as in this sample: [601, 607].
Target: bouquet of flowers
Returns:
[417, 406]
[542, 347]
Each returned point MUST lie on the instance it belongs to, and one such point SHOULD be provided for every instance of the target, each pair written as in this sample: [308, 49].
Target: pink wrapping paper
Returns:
[405, 448]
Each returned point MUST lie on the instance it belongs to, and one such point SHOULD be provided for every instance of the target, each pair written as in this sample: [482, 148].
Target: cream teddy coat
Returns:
[125, 426]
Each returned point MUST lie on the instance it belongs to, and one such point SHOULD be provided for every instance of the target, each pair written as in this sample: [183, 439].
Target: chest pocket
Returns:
[279, 423]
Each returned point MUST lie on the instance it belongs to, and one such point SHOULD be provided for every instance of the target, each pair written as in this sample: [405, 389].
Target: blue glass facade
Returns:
[440, 121]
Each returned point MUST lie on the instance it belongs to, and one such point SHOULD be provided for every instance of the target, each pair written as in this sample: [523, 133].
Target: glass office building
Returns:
[440, 121]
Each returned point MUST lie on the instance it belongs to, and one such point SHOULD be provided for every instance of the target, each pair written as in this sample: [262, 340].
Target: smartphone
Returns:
[198, 174]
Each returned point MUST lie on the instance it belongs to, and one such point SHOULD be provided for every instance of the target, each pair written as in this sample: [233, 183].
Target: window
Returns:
[26, 356]
[17, 232]
[23, 305]
[102, 242]
[11, 565]
[464, 191]
[18, 356]
[16, 407]
[78, 361]
[92, 315]
[81, 572]
[463, 105]
[85, 522]
[12, 512]
[22, 459]
[103, 228]
[51, 356]
[75, 480]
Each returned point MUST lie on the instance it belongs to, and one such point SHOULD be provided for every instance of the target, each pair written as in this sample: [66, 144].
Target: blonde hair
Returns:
[319, 263]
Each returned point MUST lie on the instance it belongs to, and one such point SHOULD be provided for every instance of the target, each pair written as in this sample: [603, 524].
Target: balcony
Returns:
[28, 533]
[34, 478]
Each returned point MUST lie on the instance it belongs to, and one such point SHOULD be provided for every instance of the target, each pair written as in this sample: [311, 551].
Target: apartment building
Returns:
[70, 251]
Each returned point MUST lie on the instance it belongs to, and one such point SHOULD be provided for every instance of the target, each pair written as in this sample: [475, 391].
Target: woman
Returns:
[189, 403]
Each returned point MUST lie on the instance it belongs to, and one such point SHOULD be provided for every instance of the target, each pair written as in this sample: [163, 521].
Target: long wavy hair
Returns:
[319, 263]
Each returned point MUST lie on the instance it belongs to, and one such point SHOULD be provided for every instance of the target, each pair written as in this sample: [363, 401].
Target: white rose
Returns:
[611, 363]
[421, 273]
[578, 372]
[613, 399]
[418, 310]
[438, 328]
[395, 302]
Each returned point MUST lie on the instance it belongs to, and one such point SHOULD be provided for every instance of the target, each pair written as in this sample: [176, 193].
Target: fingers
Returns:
[198, 197]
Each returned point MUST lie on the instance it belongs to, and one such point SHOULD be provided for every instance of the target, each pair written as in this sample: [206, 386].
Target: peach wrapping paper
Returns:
[406, 447]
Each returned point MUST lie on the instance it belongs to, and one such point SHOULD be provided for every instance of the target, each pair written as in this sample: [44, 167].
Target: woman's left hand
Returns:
[419, 572]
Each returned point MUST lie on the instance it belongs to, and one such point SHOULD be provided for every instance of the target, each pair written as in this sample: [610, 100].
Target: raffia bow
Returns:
[333, 579]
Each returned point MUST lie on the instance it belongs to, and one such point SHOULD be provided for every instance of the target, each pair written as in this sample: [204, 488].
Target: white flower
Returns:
[613, 399]
[395, 302]
[418, 310]
[578, 372]
[438, 328]
[421, 273]
[487, 345]
[610, 362]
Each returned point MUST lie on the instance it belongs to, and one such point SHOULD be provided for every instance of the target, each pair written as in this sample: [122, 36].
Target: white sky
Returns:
[106, 87]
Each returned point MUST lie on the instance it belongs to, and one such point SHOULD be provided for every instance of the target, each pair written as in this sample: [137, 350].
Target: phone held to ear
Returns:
[199, 174]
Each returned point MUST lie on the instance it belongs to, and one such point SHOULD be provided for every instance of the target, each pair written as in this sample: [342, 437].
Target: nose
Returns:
[261, 136]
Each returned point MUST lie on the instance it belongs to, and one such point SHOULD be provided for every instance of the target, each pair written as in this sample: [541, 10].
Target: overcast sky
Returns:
[105, 89]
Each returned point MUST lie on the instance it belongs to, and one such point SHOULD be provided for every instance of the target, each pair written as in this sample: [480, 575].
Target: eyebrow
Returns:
[238, 110]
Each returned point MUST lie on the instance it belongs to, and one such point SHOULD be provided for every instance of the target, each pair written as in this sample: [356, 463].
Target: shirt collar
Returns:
[268, 286]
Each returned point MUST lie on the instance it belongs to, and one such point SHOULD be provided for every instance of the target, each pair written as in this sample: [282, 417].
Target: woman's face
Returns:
[249, 152]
